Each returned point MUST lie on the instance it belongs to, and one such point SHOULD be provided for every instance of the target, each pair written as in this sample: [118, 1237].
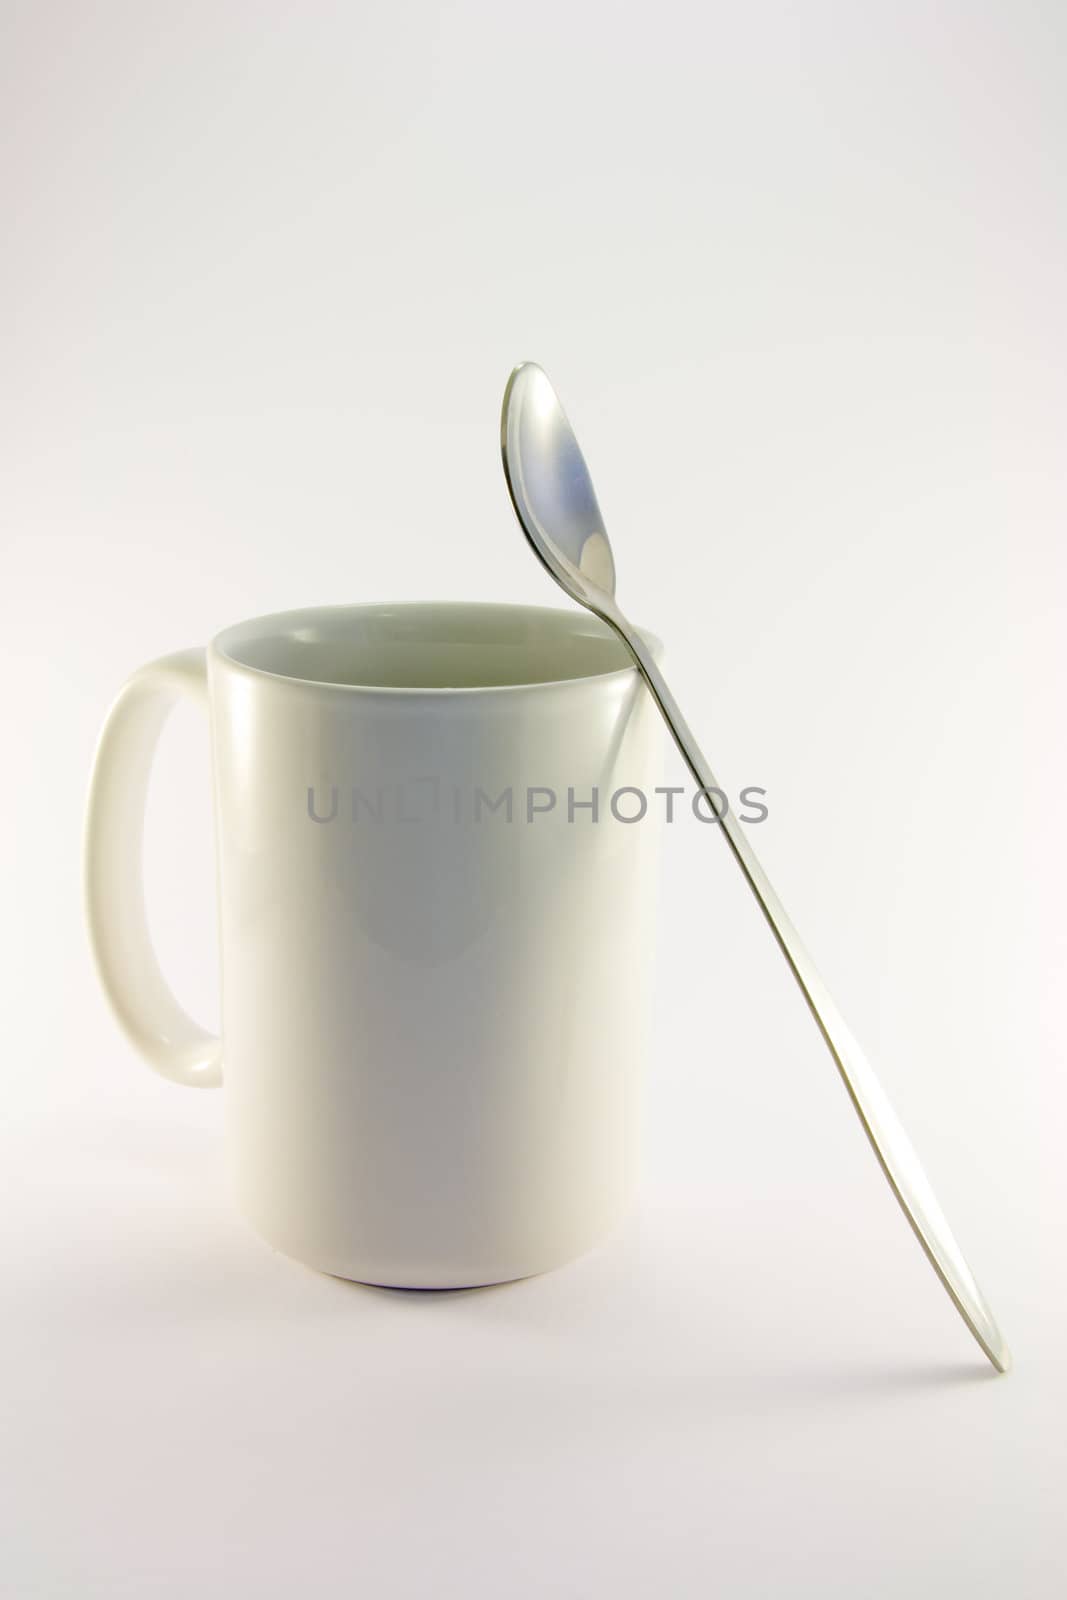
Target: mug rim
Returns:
[227, 640]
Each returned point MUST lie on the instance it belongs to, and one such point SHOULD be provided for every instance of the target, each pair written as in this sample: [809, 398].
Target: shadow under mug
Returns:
[436, 904]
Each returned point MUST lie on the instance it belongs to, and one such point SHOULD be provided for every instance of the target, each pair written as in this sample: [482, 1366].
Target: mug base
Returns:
[437, 1279]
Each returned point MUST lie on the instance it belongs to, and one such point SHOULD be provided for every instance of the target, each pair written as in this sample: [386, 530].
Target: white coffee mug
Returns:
[437, 855]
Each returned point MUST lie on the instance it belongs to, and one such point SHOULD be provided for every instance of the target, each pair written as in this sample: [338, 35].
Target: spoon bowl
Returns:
[552, 490]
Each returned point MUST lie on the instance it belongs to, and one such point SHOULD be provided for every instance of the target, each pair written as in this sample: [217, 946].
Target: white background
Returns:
[798, 272]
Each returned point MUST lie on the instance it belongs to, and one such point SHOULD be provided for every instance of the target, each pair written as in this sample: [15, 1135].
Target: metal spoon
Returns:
[554, 500]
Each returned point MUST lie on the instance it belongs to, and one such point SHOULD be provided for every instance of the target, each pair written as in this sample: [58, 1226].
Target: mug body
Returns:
[437, 862]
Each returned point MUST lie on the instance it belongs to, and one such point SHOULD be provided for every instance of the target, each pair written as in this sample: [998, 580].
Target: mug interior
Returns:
[433, 646]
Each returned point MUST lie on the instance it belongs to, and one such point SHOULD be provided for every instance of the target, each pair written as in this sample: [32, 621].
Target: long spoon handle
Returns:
[888, 1140]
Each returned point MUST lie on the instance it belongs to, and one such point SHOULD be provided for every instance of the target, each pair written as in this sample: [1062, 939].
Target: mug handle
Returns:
[140, 996]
